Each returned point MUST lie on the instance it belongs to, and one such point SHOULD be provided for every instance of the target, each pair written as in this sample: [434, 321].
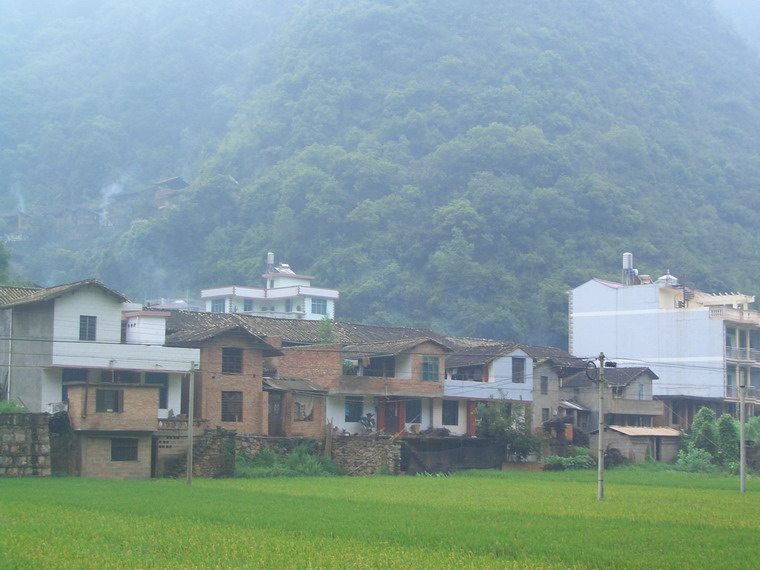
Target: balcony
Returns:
[743, 354]
[749, 316]
[634, 407]
[386, 386]
[123, 356]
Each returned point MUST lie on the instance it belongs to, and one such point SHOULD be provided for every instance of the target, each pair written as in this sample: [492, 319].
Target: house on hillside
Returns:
[85, 348]
[702, 346]
[286, 295]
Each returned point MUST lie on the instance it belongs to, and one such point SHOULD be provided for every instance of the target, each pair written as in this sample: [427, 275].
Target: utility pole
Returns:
[600, 440]
[742, 441]
[190, 421]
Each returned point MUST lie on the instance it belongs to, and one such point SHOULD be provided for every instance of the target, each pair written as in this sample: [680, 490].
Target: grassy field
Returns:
[473, 520]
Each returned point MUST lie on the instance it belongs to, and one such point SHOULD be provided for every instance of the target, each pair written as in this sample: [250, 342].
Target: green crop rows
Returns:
[475, 520]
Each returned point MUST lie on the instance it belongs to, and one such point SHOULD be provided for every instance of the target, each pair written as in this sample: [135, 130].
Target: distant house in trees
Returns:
[168, 190]
[286, 295]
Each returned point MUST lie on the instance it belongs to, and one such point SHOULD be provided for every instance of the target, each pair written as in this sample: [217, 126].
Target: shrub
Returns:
[582, 460]
[300, 462]
[695, 460]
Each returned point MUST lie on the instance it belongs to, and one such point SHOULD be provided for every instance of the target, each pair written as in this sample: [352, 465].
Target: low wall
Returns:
[366, 455]
[24, 445]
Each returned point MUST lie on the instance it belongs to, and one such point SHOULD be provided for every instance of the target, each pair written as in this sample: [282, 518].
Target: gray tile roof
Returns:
[292, 385]
[387, 348]
[16, 296]
[187, 328]
[613, 377]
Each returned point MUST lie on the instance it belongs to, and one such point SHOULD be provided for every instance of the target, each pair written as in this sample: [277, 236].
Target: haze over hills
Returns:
[442, 166]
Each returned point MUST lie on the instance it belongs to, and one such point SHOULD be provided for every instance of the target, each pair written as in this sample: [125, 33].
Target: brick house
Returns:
[229, 386]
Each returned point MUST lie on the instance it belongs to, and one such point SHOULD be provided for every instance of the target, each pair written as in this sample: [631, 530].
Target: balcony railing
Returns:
[180, 424]
[744, 354]
[737, 315]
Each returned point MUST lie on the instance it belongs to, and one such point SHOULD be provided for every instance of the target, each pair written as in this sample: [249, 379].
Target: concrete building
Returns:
[83, 347]
[286, 295]
[702, 346]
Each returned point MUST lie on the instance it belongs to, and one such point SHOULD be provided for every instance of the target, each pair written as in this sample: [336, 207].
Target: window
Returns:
[87, 327]
[232, 406]
[518, 370]
[124, 449]
[544, 414]
[162, 379]
[319, 306]
[430, 368]
[303, 408]
[289, 305]
[354, 406]
[217, 305]
[618, 391]
[74, 375]
[248, 304]
[641, 391]
[109, 400]
[232, 360]
[413, 411]
[544, 385]
[450, 415]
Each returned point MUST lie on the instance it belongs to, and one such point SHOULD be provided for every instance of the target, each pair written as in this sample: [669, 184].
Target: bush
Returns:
[300, 462]
[695, 460]
[582, 460]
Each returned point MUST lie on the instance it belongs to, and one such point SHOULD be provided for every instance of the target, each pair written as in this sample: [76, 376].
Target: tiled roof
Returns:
[645, 431]
[298, 331]
[187, 328]
[15, 296]
[613, 377]
[469, 354]
[387, 348]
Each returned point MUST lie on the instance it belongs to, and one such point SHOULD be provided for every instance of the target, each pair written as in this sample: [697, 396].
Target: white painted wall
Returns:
[437, 420]
[684, 347]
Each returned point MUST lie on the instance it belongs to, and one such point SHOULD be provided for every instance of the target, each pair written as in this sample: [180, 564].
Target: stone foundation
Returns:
[24, 445]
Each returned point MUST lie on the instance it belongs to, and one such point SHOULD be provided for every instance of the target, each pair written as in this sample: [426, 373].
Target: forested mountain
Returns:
[445, 164]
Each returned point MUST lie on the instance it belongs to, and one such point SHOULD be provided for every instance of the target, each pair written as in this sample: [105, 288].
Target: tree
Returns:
[728, 439]
[507, 424]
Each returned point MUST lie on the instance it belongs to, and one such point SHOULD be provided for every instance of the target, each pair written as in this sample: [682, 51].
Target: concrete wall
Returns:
[684, 347]
[24, 445]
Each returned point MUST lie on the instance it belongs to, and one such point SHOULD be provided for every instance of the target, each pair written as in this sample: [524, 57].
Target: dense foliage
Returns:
[442, 166]
[507, 424]
[711, 445]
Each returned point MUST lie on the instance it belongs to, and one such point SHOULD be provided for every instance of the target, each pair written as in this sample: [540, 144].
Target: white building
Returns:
[286, 295]
[700, 345]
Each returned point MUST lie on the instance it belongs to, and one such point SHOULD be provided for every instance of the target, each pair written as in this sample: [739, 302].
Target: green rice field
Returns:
[471, 520]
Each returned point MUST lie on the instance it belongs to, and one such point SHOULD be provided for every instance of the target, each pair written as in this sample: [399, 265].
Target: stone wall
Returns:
[24, 445]
[366, 455]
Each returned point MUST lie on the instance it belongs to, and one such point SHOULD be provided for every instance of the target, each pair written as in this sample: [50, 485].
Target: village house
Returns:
[286, 295]
[702, 346]
[229, 386]
[83, 347]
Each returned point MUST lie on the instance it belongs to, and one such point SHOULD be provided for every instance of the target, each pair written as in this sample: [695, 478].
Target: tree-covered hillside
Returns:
[443, 164]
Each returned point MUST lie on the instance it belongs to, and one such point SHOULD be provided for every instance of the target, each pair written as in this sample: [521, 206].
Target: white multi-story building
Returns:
[286, 295]
[700, 345]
